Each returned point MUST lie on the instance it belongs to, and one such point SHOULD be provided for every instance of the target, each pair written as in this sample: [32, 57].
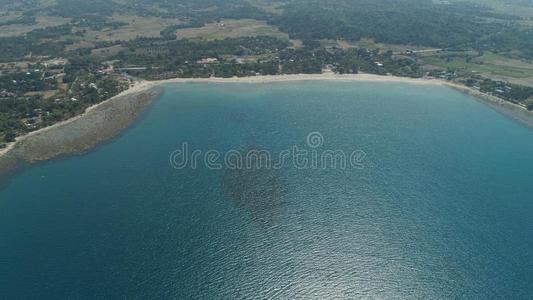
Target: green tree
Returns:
[530, 105]
[9, 137]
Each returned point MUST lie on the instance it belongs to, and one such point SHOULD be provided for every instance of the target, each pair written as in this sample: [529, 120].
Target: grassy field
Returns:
[137, 26]
[16, 66]
[46, 94]
[504, 7]
[107, 52]
[42, 22]
[231, 29]
[272, 7]
[152, 26]
[489, 65]
[371, 44]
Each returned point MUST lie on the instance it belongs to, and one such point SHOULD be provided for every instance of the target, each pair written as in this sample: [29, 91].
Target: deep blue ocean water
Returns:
[442, 208]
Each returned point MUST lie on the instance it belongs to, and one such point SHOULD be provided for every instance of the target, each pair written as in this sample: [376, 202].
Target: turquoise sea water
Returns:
[442, 208]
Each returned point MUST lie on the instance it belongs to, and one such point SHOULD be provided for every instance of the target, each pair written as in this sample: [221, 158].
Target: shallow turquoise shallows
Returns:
[441, 205]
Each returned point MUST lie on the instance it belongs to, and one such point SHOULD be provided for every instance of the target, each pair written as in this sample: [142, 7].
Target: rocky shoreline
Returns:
[509, 109]
[98, 124]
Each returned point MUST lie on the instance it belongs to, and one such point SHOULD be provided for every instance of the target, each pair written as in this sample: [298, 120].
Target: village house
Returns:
[206, 61]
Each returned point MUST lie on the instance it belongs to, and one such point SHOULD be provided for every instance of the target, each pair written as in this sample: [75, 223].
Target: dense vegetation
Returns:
[413, 22]
[37, 42]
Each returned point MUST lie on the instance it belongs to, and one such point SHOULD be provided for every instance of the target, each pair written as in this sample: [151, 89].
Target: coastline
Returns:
[105, 120]
[361, 77]
[99, 123]
[507, 108]
[514, 111]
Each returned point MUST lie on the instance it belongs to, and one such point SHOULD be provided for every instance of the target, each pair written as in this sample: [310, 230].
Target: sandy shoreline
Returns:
[512, 110]
[105, 120]
[302, 77]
